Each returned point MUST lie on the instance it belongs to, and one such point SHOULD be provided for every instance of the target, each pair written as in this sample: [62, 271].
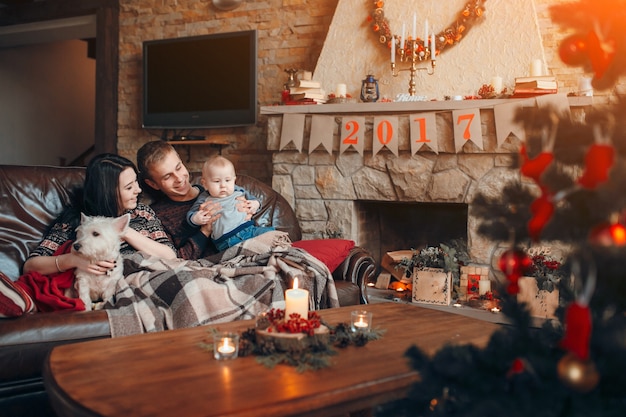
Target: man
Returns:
[168, 183]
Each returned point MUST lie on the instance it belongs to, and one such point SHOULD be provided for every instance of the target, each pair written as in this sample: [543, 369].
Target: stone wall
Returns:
[323, 187]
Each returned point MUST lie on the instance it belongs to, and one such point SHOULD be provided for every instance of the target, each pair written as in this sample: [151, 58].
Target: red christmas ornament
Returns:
[542, 209]
[608, 234]
[534, 168]
[573, 50]
[600, 52]
[517, 367]
[598, 162]
[514, 263]
[577, 330]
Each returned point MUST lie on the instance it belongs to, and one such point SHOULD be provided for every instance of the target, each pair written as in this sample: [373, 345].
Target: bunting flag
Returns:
[322, 132]
[423, 132]
[466, 127]
[504, 115]
[292, 131]
[385, 134]
[352, 134]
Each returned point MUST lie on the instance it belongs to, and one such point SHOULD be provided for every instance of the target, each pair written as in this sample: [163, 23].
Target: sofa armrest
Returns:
[359, 268]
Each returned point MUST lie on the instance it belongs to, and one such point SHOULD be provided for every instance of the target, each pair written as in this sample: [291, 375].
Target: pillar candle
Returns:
[296, 301]
[484, 286]
[341, 88]
[536, 68]
[496, 83]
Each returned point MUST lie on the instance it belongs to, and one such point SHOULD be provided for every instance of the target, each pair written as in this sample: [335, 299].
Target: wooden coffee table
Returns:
[167, 373]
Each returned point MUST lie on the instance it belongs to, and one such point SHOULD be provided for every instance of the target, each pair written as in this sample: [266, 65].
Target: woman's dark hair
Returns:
[100, 193]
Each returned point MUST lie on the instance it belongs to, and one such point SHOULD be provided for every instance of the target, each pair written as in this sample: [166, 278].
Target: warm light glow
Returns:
[295, 283]
[618, 233]
[226, 347]
[495, 310]
[361, 323]
[370, 284]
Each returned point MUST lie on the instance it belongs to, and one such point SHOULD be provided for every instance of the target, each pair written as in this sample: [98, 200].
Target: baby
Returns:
[233, 226]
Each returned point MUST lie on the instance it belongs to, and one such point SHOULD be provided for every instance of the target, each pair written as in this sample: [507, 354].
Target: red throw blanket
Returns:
[48, 291]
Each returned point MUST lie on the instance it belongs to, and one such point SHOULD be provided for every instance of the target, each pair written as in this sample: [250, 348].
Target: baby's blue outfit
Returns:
[232, 227]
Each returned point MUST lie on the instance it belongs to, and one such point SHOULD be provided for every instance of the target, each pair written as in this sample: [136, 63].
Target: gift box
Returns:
[432, 286]
[541, 303]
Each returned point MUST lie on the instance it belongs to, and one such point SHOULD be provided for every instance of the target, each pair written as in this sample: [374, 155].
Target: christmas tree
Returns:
[571, 191]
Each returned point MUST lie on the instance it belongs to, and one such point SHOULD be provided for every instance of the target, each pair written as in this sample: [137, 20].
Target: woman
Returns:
[111, 189]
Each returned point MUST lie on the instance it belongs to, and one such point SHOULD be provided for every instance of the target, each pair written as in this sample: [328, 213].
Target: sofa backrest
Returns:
[31, 197]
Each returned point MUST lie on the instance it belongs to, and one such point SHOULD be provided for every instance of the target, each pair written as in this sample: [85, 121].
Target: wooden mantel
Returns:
[403, 107]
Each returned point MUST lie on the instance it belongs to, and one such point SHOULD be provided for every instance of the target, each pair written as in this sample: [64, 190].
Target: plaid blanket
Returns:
[243, 281]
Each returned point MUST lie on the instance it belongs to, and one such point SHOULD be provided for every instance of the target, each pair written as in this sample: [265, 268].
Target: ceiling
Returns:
[81, 27]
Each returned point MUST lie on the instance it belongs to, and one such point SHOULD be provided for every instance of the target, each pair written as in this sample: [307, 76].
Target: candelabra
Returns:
[414, 52]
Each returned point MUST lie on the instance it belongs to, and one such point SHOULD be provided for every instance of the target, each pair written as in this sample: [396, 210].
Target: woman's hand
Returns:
[101, 267]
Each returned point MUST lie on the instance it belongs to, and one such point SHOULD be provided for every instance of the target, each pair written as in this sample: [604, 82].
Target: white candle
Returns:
[226, 347]
[536, 68]
[426, 34]
[496, 83]
[342, 89]
[403, 38]
[433, 47]
[484, 286]
[414, 31]
[393, 49]
[361, 323]
[296, 301]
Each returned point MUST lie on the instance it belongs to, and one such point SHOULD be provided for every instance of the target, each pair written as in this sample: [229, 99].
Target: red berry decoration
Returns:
[515, 263]
[573, 50]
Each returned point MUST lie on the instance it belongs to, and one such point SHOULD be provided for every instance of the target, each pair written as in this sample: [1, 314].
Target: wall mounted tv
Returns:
[201, 81]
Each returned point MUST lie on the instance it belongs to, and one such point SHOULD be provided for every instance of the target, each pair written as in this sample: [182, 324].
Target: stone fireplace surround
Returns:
[323, 188]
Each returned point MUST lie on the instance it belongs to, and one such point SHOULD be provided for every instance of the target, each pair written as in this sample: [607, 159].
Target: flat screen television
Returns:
[201, 81]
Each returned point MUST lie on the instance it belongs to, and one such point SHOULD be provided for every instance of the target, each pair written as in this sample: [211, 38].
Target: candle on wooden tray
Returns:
[225, 346]
[296, 301]
[361, 320]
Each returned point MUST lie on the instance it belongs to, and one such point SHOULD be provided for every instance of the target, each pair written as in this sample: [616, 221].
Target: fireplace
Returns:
[390, 226]
[365, 193]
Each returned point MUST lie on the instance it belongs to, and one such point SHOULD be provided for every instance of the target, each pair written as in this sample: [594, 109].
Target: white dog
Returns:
[99, 238]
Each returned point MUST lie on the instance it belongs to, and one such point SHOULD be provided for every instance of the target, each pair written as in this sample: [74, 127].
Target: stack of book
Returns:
[534, 86]
[307, 92]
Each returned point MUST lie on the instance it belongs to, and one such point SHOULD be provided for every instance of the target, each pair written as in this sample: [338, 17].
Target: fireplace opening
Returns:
[390, 226]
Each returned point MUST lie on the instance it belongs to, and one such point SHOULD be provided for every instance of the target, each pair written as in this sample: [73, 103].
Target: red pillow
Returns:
[332, 252]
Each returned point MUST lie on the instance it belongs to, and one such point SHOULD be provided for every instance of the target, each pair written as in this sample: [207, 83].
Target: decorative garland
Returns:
[315, 354]
[470, 15]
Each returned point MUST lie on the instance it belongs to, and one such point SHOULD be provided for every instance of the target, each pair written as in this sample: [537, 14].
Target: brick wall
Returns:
[291, 34]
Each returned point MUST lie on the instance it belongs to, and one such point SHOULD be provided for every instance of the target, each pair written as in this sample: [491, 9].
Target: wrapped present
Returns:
[541, 303]
[432, 286]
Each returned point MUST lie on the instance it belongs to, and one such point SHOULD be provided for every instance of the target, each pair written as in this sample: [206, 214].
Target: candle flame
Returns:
[295, 283]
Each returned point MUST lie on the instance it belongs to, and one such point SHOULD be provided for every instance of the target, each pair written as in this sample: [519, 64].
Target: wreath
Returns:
[470, 15]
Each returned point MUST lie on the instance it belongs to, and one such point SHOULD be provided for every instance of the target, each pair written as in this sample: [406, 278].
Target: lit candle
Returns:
[296, 301]
[414, 31]
[226, 348]
[403, 38]
[426, 34]
[433, 47]
[360, 320]
[361, 323]
[393, 50]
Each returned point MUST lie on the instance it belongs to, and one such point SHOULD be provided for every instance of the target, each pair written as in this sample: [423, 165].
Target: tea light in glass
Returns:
[225, 346]
[361, 321]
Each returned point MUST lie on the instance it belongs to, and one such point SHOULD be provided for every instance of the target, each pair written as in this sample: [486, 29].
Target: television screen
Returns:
[200, 82]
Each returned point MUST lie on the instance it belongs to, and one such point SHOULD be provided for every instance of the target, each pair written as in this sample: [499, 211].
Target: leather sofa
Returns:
[30, 198]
